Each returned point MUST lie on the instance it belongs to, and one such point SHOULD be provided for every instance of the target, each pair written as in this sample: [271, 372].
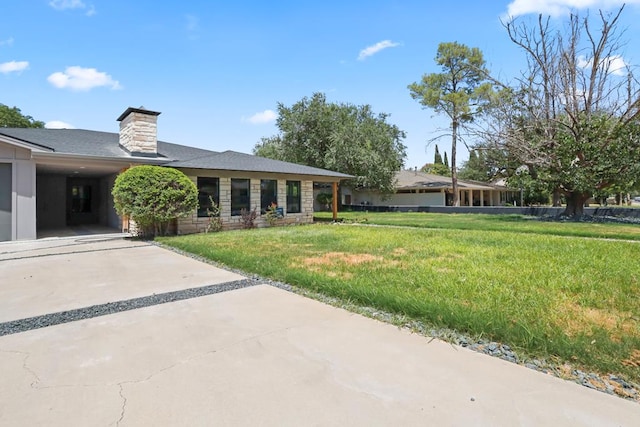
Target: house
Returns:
[56, 178]
[415, 188]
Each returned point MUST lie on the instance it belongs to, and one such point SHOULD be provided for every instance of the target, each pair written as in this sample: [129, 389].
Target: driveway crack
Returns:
[124, 404]
[25, 358]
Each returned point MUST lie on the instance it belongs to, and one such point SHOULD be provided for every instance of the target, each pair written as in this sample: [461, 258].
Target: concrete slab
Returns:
[49, 276]
[262, 356]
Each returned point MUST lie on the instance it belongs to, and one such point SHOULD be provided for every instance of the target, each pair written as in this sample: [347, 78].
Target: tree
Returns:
[154, 195]
[437, 159]
[436, 169]
[13, 118]
[460, 91]
[341, 137]
[572, 118]
[446, 160]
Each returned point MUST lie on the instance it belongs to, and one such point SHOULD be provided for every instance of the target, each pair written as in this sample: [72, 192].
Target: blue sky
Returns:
[216, 70]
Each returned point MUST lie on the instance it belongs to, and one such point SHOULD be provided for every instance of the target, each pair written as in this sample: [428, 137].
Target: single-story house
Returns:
[56, 178]
[415, 188]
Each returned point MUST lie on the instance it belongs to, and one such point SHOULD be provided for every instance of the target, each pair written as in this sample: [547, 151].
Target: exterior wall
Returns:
[195, 224]
[436, 198]
[51, 196]
[23, 188]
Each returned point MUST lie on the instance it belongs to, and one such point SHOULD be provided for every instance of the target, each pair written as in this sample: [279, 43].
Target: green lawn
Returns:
[515, 223]
[550, 296]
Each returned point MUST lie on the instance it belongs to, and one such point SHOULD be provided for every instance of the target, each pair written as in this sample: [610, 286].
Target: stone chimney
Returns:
[139, 131]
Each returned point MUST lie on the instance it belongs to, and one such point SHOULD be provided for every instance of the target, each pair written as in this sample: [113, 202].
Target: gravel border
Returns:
[609, 384]
[36, 322]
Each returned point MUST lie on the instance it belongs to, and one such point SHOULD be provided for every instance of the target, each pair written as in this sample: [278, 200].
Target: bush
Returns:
[152, 196]
[248, 217]
[325, 199]
[215, 222]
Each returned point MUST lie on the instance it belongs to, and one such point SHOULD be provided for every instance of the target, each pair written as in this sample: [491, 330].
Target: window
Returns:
[207, 187]
[293, 197]
[268, 194]
[240, 195]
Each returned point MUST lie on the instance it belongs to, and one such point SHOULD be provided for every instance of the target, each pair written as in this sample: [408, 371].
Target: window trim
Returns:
[298, 198]
[263, 206]
[235, 211]
[216, 197]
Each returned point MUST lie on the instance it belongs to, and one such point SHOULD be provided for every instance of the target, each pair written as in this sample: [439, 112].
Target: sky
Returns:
[216, 70]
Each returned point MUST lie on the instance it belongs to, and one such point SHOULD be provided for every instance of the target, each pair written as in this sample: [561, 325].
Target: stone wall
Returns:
[195, 224]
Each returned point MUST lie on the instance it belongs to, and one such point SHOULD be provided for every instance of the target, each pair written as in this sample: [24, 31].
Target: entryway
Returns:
[74, 205]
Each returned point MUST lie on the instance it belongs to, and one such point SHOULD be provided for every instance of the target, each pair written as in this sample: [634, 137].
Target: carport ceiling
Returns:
[79, 167]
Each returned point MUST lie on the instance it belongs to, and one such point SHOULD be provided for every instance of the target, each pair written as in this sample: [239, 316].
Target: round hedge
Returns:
[154, 195]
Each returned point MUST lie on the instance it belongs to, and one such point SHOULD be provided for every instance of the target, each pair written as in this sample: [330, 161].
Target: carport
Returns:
[75, 197]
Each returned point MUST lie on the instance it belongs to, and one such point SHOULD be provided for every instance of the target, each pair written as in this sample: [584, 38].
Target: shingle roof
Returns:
[106, 144]
[232, 160]
[409, 179]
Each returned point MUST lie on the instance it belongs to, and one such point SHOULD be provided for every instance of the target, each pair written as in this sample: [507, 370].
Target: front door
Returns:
[5, 201]
[82, 201]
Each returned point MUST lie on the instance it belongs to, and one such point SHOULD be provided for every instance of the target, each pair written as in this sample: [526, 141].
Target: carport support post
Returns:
[334, 201]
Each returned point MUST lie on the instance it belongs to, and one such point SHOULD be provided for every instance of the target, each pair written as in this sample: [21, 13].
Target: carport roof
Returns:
[80, 142]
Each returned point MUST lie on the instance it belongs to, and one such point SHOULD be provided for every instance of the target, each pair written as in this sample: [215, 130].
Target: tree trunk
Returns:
[556, 198]
[454, 172]
[575, 204]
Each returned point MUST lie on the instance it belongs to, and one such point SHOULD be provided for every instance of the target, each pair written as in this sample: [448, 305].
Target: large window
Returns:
[268, 194]
[293, 197]
[208, 188]
[240, 191]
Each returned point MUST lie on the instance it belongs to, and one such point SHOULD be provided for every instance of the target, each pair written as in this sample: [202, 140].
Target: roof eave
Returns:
[132, 159]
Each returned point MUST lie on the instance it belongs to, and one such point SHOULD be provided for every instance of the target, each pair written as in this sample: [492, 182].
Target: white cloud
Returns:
[57, 124]
[557, 8]
[73, 4]
[79, 78]
[373, 49]
[615, 64]
[67, 4]
[263, 117]
[13, 66]
[7, 42]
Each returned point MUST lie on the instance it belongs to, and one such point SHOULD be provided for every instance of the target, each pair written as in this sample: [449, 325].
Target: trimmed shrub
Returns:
[154, 195]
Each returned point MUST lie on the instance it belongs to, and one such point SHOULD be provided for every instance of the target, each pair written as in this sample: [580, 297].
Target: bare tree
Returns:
[572, 116]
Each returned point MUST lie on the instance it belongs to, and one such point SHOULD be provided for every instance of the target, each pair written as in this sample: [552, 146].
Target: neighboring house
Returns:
[55, 178]
[414, 188]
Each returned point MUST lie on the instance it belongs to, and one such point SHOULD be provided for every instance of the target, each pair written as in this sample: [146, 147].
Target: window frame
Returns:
[237, 201]
[268, 196]
[203, 208]
[292, 199]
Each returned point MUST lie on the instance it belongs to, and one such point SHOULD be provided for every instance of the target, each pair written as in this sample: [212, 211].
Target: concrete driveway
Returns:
[251, 355]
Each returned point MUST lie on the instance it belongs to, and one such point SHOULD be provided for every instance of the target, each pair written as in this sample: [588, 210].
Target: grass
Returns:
[572, 299]
[485, 222]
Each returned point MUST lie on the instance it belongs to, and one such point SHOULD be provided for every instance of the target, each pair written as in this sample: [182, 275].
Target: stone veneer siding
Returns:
[195, 224]
[139, 133]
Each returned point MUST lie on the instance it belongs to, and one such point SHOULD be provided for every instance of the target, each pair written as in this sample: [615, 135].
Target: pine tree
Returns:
[438, 158]
[446, 160]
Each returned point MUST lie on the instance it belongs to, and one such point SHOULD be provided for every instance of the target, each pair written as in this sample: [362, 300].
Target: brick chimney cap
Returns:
[137, 110]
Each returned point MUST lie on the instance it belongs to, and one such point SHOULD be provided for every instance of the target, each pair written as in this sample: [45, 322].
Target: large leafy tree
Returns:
[346, 138]
[12, 117]
[572, 118]
[459, 90]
